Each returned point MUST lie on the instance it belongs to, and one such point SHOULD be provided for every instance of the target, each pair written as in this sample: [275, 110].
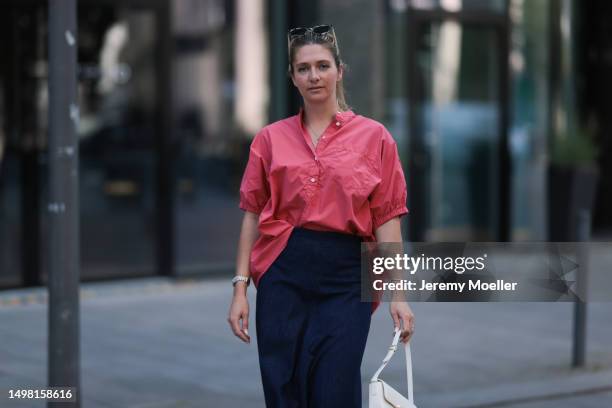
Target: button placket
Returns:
[334, 127]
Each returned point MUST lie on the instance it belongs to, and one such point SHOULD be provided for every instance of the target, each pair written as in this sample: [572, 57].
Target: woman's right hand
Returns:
[239, 310]
[239, 317]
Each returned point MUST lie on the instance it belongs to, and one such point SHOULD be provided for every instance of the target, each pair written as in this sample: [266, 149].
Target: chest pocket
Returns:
[350, 170]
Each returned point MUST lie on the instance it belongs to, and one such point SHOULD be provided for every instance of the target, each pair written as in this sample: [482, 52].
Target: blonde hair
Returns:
[333, 49]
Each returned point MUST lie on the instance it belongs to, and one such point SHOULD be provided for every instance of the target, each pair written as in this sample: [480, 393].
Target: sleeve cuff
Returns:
[249, 207]
[394, 212]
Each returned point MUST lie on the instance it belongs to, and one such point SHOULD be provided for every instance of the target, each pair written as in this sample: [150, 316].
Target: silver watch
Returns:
[239, 278]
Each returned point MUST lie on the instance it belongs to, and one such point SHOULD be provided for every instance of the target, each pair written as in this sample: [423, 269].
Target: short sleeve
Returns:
[255, 188]
[388, 200]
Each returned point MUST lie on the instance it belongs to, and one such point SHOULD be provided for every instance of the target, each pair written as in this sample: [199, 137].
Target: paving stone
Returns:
[156, 344]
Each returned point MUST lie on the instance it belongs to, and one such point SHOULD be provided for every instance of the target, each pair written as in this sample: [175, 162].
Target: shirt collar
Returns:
[340, 117]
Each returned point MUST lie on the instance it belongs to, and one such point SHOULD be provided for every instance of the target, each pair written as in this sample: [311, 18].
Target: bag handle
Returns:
[387, 358]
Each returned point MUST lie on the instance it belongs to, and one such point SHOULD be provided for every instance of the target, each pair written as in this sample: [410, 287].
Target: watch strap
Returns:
[240, 278]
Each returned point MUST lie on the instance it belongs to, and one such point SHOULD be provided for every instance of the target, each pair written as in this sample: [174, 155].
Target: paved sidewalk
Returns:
[157, 343]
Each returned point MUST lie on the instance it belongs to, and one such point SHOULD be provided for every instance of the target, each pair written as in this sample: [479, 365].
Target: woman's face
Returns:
[315, 73]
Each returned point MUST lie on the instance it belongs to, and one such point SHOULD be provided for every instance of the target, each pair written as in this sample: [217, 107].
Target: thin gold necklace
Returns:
[314, 134]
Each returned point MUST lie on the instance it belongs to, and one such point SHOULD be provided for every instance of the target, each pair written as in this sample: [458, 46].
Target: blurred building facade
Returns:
[172, 91]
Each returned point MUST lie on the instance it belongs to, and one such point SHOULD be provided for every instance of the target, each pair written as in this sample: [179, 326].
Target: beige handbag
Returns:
[382, 395]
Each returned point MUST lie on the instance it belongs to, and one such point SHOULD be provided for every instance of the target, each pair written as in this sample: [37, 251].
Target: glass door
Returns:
[122, 70]
[457, 130]
[118, 95]
[21, 141]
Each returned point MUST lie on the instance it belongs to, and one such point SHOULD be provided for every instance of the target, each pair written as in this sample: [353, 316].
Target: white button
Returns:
[312, 179]
[337, 123]
[316, 158]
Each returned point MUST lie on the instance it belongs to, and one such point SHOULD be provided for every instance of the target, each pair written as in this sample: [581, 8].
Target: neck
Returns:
[320, 113]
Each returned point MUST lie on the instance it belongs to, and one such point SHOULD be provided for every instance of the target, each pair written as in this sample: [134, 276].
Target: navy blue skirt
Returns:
[311, 324]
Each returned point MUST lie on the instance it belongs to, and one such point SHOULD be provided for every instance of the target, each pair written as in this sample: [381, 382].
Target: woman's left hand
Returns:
[401, 313]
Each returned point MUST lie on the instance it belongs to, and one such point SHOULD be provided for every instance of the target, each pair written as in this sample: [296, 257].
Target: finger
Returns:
[409, 318]
[243, 336]
[237, 331]
[245, 327]
[408, 328]
[245, 322]
[393, 314]
[233, 321]
[396, 321]
[411, 331]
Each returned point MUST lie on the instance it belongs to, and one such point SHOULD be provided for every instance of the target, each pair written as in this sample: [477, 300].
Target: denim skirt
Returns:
[311, 324]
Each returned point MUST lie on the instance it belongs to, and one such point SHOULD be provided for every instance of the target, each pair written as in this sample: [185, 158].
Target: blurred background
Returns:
[499, 108]
[500, 112]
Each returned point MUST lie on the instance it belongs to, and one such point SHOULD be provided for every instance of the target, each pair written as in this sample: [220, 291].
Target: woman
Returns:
[316, 185]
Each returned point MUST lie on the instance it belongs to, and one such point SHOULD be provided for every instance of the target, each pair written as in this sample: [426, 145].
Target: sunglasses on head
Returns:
[323, 32]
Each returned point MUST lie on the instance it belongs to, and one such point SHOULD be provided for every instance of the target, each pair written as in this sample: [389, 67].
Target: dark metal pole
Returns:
[504, 192]
[301, 13]
[580, 305]
[278, 68]
[64, 353]
[166, 147]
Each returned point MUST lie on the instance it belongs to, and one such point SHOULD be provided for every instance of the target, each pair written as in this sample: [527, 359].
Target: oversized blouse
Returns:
[350, 182]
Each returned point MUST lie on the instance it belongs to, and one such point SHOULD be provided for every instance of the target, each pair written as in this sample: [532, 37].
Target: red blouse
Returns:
[351, 182]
